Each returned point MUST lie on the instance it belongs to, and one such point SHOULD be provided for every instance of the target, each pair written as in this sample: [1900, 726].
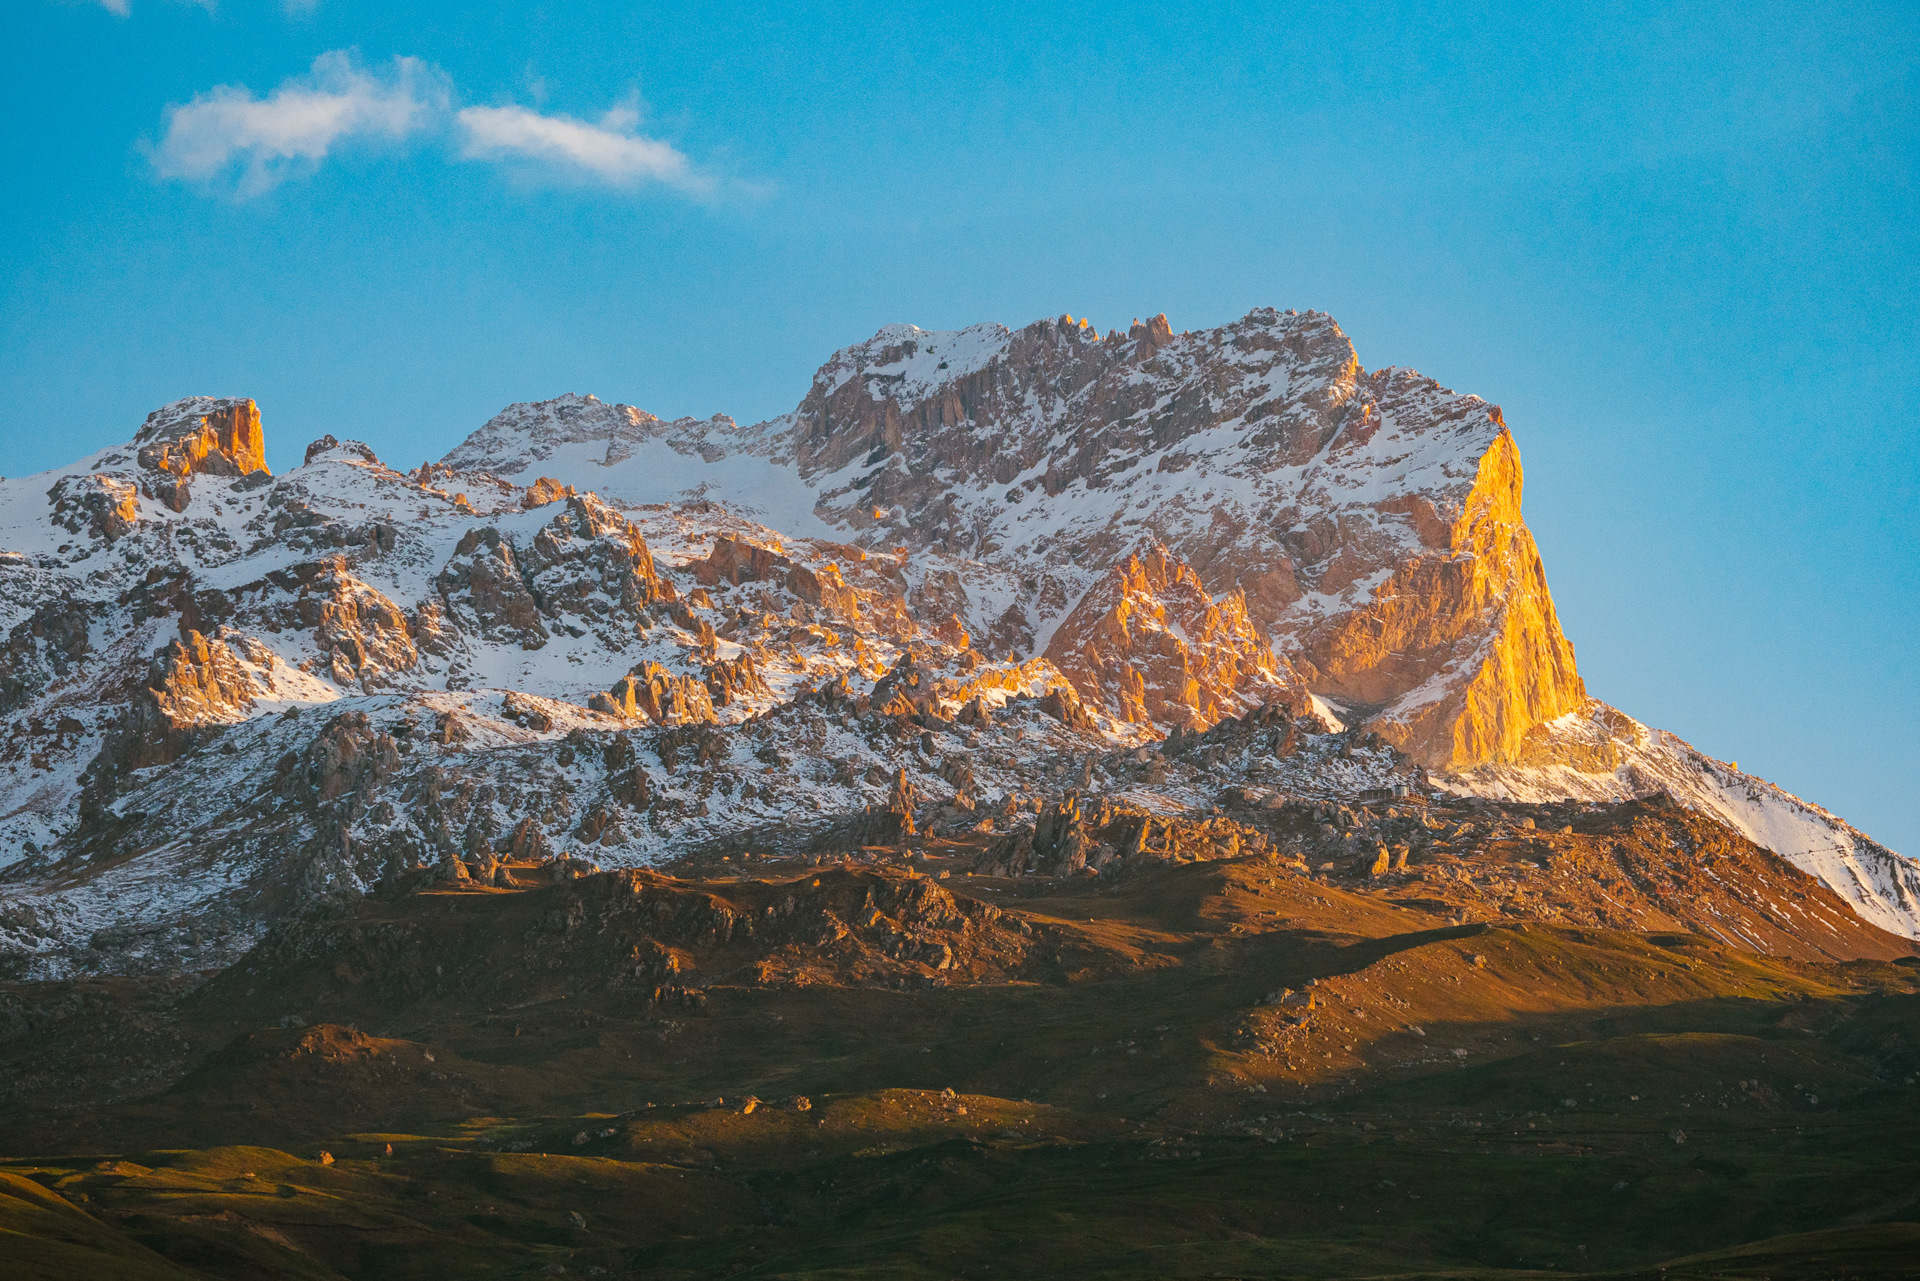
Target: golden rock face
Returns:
[224, 442]
[1151, 645]
[1472, 620]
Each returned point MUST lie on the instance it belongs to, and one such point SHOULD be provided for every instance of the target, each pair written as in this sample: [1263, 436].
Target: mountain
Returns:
[1368, 524]
[1051, 804]
[970, 572]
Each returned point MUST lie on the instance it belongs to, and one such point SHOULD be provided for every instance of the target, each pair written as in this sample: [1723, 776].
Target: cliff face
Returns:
[1459, 647]
[1369, 522]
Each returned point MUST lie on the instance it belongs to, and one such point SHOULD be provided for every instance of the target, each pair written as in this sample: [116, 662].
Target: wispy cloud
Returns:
[122, 8]
[610, 151]
[229, 138]
[229, 133]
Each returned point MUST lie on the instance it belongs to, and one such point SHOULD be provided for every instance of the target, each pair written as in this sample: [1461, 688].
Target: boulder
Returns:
[545, 490]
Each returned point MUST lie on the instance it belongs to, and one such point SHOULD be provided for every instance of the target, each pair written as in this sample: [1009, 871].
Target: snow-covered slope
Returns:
[1601, 754]
[630, 456]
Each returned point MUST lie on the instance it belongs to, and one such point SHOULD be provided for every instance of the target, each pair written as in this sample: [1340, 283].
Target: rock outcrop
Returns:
[590, 563]
[732, 679]
[486, 593]
[203, 434]
[736, 561]
[41, 649]
[362, 634]
[348, 756]
[97, 504]
[200, 435]
[193, 684]
[545, 490]
[651, 693]
[1070, 838]
[1150, 646]
[567, 430]
[586, 569]
[887, 824]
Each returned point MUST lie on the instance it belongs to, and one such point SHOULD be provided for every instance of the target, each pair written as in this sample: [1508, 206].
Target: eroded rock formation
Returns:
[1150, 646]
[486, 592]
[193, 684]
[590, 563]
[99, 504]
[363, 635]
[654, 694]
[199, 435]
[737, 561]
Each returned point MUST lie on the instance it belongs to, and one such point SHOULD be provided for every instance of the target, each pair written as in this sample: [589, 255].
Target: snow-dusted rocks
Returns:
[486, 592]
[304, 686]
[41, 649]
[1370, 521]
[98, 504]
[522, 437]
[591, 563]
[657, 696]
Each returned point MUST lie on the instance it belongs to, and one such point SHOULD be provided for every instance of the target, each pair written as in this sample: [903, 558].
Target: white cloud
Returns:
[229, 136]
[228, 129]
[122, 8]
[611, 151]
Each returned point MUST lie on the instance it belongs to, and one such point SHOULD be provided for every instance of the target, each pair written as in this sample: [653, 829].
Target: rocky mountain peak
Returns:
[523, 435]
[1019, 466]
[212, 435]
[1259, 455]
[573, 429]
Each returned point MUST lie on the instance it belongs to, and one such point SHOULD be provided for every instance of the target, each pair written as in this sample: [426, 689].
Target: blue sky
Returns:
[1676, 243]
